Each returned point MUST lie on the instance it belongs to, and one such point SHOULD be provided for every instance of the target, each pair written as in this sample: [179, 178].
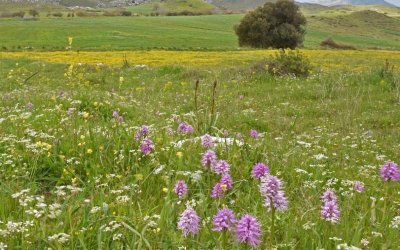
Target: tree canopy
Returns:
[274, 25]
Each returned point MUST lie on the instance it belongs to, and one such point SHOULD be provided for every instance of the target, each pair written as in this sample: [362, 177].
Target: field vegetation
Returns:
[160, 133]
[73, 175]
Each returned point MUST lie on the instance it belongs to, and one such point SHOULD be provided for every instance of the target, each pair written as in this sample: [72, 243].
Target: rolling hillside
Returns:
[251, 4]
[364, 29]
[238, 4]
[348, 2]
[377, 29]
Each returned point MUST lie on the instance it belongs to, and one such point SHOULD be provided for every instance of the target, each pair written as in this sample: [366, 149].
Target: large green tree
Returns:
[274, 25]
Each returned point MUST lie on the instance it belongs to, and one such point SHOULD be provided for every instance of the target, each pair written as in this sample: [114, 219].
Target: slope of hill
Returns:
[349, 2]
[316, 4]
[212, 32]
[181, 5]
[82, 3]
[320, 10]
[171, 7]
[356, 28]
[238, 4]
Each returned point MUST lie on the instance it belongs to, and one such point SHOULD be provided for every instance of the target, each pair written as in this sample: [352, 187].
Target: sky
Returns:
[395, 2]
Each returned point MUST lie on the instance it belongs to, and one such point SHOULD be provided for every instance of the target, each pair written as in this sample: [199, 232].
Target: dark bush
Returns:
[188, 13]
[57, 14]
[33, 12]
[329, 43]
[126, 13]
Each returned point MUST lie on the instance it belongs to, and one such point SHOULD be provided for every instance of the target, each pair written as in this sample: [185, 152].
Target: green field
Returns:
[215, 32]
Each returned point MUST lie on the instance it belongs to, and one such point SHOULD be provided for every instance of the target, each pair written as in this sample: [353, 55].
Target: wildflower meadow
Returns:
[173, 156]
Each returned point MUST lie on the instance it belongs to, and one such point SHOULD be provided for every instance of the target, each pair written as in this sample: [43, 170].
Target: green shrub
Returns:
[291, 63]
[58, 14]
[110, 13]
[86, 14]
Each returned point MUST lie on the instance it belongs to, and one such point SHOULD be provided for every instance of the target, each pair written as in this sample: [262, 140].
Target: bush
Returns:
[126, 13]
[329, 43]
[85, 14]
[20, 14]
[274, 25]
[290, 62]
[110, 13]
[188, 13]
[58, 14]
[6, 14]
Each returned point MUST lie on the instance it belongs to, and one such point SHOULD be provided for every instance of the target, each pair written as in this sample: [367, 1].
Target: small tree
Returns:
[277, 25]
[33, 13]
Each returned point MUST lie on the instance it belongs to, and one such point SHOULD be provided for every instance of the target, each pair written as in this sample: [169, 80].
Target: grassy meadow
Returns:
[74, 177]
[94, 139]
[209, 32]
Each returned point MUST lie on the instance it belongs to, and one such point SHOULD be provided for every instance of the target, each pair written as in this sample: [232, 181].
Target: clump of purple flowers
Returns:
[390, 172]
[208, 159]
[217, 190]
[207, 141]
[254, 133]
[117, 117]
[359, 186]
[227, 181]
[224, 220]
[180, 189]
[248, 230]
[221, 167]
[142, 132]
[70, 111]
[188, 222]
[260, 170]
[271, 189]
[29, 105]
[222, 186]
[147, 146]
[330, 209]
[185, 128]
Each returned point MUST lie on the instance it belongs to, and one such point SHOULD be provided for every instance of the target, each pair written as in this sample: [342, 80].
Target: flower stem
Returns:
[272, 227]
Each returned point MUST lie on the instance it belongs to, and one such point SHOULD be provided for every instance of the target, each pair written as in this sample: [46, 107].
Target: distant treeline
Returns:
[93, 13]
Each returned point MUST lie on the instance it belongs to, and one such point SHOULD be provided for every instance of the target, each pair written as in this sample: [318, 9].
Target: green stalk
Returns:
[272, 226]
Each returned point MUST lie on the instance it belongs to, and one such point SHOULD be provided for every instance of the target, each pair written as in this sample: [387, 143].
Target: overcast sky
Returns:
[395, 2]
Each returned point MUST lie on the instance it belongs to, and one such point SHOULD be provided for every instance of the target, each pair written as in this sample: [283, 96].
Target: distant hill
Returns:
[349, 2]
[251, 4]
[239, 4]
[181, 5]
[356, 28]
[163, 5]
[82, 3]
